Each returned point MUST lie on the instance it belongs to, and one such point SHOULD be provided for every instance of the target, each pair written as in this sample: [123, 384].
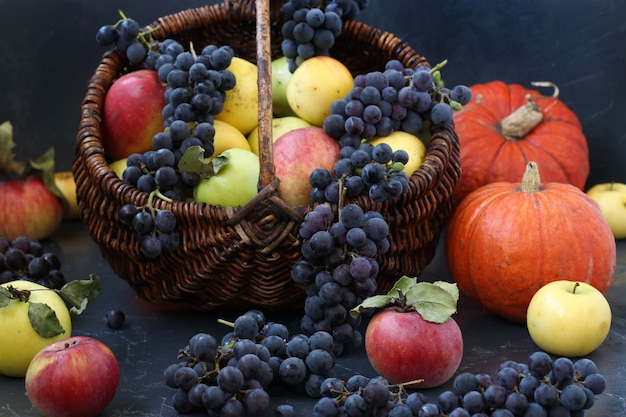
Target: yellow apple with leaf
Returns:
[19, 341]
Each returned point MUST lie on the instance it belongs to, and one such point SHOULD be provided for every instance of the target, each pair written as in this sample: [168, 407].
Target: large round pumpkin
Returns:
[505, 126]
[506, 240]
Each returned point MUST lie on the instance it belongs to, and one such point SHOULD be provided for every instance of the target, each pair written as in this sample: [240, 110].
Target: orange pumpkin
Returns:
[506, 240]
[507, 125]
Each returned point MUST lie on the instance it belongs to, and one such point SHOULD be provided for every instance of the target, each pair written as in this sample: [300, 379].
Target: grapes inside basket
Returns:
[367, 220]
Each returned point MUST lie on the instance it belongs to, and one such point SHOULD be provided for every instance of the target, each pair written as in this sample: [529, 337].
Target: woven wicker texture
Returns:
[241, 257]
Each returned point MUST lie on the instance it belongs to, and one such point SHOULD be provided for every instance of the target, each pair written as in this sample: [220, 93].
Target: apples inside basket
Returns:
[242, 257]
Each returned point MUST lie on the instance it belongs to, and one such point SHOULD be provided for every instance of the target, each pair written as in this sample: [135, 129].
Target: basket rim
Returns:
[444, 140]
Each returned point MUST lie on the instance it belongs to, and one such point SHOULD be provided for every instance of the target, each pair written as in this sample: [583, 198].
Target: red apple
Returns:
[296, 154]
[412, 339]
[403, 347]
[132, 113]
[73, 377]
[28, 209]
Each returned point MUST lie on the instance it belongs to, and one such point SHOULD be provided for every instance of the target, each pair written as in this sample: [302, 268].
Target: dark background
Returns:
[48, 52]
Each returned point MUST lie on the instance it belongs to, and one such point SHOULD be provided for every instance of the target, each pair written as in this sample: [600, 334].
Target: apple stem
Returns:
[20, 295]
[576, 285]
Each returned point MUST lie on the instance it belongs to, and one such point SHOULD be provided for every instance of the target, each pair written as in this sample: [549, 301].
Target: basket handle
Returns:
[264, 65]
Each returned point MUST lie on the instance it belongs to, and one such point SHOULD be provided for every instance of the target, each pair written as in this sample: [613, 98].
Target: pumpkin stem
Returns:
[517, 124]
[555, 93]
[531, 181]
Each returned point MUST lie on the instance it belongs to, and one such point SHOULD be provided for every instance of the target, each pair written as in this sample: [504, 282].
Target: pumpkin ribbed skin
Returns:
[557, 143]
[503, 244]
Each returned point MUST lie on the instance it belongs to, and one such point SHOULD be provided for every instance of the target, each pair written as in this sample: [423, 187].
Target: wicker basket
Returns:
[242, 257]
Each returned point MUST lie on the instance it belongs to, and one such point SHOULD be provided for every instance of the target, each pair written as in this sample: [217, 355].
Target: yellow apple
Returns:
[611, 197]
[118, 166]
[280, 79]
[408, 142]
[64, 181]
[227, 137]
[280, 125]
[568, 318]
[241, 107]
[19, 342]
[315, 85]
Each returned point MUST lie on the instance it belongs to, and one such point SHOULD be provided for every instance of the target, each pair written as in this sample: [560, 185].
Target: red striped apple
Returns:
[29, 209]
[31, 202]
[296, 154]
[132, 113]
[73, 377]
[412, 339]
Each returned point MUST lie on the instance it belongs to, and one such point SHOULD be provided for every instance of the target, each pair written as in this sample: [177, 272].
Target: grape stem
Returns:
[226, 322]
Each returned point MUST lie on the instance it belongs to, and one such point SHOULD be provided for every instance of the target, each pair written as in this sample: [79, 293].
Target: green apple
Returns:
[280, 78]
[280, 125]
[568, 318]
[611, 197]
[234, 184]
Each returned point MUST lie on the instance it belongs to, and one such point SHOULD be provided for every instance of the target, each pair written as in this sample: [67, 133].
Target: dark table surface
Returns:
[152, 335]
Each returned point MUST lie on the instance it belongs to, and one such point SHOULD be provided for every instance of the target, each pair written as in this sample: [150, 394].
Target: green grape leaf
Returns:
[45, 165]
[5, 297]
[376, 301]
[44, 320]
[79, 292]
[8, 164]
[193, 161]
[400, 287]
[435, 302]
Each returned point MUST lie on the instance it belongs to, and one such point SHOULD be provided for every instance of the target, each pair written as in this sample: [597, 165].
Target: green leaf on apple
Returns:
[435, 302]
[5, 297]
[45, 165]
[194, 161]
[42, 166]
[79, 293]
[8, 164]
[44, 320]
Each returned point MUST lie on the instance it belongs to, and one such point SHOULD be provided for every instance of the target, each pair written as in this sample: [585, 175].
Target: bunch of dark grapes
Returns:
[23, 258]
[310, 27]
[540, 388]
[124, 35]
[155, 228]
[397, 98]
[363, 396]
[231, 377]
[374, 170]
[196, 86]
[338, 269]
